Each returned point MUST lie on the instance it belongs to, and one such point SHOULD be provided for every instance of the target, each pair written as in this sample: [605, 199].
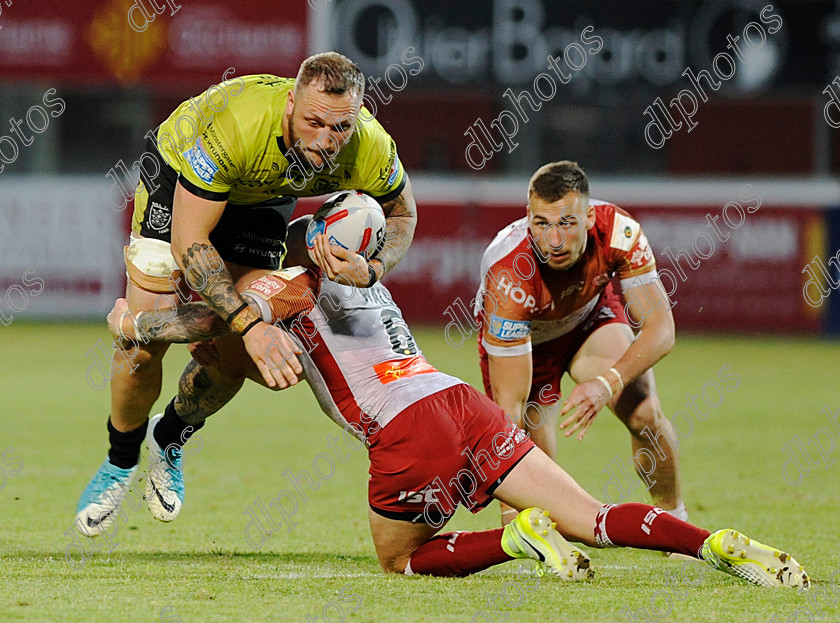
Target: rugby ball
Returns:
[350, 219]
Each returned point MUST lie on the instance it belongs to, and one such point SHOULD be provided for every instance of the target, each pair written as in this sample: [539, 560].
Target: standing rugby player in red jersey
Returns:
[547, 306]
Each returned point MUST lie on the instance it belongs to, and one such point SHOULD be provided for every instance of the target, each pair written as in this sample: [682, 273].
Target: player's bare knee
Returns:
[145, 355]
[643, 412]
[394, 567]
[394, 564]
[132, 358]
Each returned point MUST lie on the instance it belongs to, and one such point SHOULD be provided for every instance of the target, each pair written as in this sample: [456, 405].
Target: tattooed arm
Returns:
[185, 323]
[192, 322]
[193, 218]
[400, 221]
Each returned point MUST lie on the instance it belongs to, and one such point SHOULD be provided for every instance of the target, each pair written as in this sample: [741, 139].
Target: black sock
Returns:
[171, 429]
[125, 447]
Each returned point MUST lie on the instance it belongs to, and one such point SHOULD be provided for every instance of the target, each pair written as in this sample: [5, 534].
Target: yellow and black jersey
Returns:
[239, 154]
[227, 144]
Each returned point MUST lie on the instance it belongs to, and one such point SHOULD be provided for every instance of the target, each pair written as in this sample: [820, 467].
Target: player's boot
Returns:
[735, 554]
[100, 502]
[165, 487]
[533, 535]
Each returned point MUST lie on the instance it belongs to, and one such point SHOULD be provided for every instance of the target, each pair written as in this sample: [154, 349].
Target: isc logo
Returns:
[418, 497]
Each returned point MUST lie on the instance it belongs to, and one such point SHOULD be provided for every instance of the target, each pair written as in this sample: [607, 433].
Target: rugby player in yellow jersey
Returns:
[219, 185]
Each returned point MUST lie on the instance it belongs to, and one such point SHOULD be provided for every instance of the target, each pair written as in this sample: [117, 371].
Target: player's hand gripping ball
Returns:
[350, 219]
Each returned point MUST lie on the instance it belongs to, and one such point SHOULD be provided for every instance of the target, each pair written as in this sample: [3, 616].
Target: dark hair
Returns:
[336, 73]
[555, 180]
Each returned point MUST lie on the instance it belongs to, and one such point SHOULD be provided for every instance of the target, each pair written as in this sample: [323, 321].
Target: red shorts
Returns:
[453, 447]
[551, 359]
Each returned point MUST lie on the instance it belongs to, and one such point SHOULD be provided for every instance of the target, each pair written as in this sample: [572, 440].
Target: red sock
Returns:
[646, 527]
[458, 553]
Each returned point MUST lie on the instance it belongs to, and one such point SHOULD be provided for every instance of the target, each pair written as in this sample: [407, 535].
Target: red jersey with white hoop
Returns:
[521, 301]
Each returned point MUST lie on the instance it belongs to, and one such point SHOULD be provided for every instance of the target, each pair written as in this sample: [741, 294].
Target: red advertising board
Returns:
[149, 41]
[750, 282]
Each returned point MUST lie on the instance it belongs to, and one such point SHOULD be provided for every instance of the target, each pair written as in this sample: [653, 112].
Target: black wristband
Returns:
[250, 326]
[236, 312]
[371, 276]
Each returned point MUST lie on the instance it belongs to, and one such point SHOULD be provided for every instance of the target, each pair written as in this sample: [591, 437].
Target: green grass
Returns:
[202, 568]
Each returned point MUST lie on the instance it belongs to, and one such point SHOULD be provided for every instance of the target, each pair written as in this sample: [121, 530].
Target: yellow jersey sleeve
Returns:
[200, 141]
[381, 175]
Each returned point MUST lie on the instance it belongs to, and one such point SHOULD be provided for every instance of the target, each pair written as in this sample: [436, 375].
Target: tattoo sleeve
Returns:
[399, 229]
[200, 396]
[192, 322]
[206, 273]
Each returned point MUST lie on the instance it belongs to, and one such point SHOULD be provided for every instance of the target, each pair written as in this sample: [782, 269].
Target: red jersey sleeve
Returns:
[630, 251]
[285, 293]
[507, 307]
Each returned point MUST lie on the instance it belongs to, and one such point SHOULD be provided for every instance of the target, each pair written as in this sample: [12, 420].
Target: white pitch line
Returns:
[624, 567]
[298, 575]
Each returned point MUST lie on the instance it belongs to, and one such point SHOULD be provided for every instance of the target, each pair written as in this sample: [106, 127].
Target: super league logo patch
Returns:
[395, 169]
[201, 163]
[509, 329]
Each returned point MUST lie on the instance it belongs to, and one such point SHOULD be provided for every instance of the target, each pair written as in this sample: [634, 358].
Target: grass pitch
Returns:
[200, 567]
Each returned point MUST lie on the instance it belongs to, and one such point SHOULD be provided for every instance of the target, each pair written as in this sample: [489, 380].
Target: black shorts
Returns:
[252, 235]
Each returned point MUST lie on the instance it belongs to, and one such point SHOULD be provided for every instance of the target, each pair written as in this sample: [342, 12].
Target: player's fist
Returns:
[117, 321]
[339, 264]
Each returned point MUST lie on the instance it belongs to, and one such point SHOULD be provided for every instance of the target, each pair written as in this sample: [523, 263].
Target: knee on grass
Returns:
[394, 565]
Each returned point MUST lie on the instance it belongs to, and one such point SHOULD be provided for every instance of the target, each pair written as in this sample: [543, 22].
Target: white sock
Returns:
[679, 512]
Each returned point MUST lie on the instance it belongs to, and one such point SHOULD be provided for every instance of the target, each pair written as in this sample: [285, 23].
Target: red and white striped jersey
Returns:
[521, 301]
[361, 360]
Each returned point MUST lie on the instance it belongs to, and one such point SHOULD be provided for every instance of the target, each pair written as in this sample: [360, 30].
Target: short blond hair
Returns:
[336, 73]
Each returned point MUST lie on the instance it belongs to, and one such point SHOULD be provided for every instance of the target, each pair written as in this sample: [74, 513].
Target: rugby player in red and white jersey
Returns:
[435, 442]
[546, 306]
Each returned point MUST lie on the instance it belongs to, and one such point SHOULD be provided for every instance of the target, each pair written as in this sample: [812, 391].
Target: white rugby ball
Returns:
[350, 219]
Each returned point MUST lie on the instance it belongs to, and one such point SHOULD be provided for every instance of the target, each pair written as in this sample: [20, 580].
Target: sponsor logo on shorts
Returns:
[504, 329]
[512, 438]
[428, 495]
[159, 216]
[201, 163]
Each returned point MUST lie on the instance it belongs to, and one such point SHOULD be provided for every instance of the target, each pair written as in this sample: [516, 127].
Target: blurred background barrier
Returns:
[752, 281]
[119, 67]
